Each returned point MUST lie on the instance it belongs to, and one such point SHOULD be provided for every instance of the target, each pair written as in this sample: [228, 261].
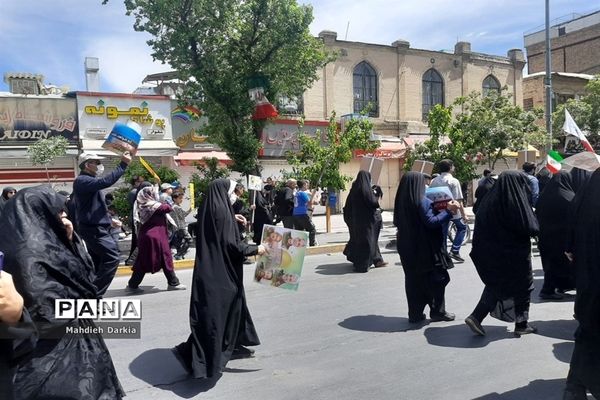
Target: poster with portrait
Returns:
[281, 266]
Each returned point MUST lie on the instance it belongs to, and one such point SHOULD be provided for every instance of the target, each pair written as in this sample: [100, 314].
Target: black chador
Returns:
[360, 214]
[219, 318]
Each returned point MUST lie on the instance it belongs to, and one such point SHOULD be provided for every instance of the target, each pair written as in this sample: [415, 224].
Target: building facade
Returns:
[575, 44]
[565, 86]
[398, 85]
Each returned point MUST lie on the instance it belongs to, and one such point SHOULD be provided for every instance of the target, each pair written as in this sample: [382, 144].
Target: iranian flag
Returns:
[553, 162]
[571, 128]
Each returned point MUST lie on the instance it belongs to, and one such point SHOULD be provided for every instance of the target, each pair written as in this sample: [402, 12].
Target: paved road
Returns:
[345, 336]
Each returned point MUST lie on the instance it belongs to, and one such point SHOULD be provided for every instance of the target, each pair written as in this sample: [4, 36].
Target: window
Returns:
[528, 104]
[490, 83]
[433, 91]
[365, 89]
[290, 105]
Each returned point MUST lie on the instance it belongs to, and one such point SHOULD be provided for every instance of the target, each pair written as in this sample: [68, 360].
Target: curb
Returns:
[124, 270]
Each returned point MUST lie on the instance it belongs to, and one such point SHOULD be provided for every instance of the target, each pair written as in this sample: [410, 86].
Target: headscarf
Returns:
[45, 264]
[507, 204]
[409, 196]
[482, 189]
[146, 204]
[554, 201]
[6, 190]
[579, 178]
[361, 193]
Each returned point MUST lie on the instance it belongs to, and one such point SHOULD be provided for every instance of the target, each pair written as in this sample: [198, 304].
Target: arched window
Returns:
[365, 89]
[433, 91]
[490, 83]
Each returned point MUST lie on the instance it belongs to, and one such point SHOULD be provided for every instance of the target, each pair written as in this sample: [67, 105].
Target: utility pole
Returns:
[548, 80]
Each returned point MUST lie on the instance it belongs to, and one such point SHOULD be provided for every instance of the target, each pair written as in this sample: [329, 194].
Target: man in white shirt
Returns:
[446, 168]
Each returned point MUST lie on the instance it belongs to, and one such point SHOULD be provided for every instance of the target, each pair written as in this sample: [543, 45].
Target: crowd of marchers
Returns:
[58, 246]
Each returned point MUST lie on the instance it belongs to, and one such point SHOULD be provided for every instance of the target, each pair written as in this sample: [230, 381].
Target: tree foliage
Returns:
[320, 162]
[585, 111]
[481, 129]
[135, 168]
[205, 175]
[218, 45]
[45, 151]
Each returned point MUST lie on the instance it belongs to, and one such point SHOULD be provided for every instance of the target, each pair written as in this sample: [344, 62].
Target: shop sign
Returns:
[99, 113]
[24, 121]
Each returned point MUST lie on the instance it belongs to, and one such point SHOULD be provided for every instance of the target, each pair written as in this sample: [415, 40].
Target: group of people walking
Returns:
[55, 264]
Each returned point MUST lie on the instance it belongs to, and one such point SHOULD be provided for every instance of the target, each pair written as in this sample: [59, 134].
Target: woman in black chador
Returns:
[360, 214]
[501, 253]
[262, 216]
[585, 362]
[422, 252]
[48, 261]
[552, 211]
[219, 318]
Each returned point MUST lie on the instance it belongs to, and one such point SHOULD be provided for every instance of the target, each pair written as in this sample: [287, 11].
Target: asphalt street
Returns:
[344, 335]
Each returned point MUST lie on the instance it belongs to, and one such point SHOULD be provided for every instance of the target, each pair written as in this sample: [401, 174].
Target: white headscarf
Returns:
[232, 196]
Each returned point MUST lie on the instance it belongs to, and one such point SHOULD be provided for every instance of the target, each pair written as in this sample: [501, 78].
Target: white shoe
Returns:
[176, 287]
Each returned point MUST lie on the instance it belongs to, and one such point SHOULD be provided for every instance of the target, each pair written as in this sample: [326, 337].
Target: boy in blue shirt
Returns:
[302, 203]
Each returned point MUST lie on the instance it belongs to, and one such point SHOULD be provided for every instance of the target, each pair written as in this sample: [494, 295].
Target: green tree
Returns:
[320, 164]
[218, 46]
[207, 173]
[135, 168]
[45, 151]
[585, 111]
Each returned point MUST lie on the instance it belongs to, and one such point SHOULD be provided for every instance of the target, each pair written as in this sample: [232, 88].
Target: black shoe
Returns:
[446, 316]
[242, 352]
[475, 325]
[525, 330]
[417, 320]
[456, 256]
[551, 296]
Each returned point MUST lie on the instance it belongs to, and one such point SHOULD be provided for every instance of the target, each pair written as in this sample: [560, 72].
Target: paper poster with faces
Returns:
[281, 266]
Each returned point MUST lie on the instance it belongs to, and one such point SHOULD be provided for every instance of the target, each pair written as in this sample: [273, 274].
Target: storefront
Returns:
[23, 121]
[98, 113]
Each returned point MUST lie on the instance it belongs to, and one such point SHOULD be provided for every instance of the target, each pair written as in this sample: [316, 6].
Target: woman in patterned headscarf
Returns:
[154, 251]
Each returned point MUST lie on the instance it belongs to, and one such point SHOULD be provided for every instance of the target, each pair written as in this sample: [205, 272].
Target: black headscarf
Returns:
[44, 263]
[501, 242]
[543, 177]
[6, 190]
[482, 189]
[219, 317]
[579, 178]
[553, 205]
[418, 245]
[586, 253]
[46, 266]
[360, 216]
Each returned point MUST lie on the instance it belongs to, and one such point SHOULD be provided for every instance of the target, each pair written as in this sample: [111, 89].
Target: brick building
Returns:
[575, 44]
[565, 86]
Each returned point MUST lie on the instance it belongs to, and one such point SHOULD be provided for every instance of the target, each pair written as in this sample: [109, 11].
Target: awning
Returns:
[186, 158]
[21, 152]
[385, 150]
[148, 148]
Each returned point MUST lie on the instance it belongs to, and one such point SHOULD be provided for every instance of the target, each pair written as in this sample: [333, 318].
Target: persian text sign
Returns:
[98, 114]
[283, 135]
[24, 121]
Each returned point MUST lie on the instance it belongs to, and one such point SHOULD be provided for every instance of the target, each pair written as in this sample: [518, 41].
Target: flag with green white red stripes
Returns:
[553, 162]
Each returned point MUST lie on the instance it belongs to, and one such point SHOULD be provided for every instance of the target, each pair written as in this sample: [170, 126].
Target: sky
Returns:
[53, 38]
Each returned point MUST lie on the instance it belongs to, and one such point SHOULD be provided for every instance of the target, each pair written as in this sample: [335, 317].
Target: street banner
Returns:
[282, 265]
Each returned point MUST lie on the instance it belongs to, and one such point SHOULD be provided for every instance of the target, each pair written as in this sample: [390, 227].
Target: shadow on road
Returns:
[563, 351]
[335, 269]
[123, 293]
[563, 329]
[159, 368]
[380, 323]
[551, 389]
[460, 336]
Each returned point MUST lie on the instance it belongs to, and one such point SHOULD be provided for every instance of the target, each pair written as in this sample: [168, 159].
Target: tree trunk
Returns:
[328, 218]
